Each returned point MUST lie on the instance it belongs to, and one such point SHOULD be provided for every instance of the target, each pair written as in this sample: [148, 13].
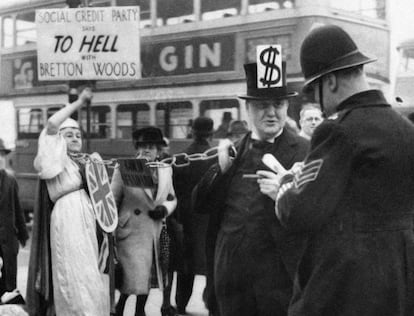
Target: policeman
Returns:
[244, 242]
[353, 198]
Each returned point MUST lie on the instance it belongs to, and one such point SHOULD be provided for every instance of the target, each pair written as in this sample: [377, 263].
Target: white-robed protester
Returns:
[79, 287]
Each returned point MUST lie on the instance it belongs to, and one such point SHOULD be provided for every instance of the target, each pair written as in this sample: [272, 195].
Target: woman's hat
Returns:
[3, 148]
[69, 123]
[203, 126]
[255, 93]
[148, 135]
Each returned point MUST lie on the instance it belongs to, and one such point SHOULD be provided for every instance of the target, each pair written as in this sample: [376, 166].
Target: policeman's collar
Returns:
[364, 98]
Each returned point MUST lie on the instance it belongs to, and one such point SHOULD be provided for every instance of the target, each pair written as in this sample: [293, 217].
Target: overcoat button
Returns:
[137, 212]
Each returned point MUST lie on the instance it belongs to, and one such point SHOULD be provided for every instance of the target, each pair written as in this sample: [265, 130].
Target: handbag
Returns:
[165, 243]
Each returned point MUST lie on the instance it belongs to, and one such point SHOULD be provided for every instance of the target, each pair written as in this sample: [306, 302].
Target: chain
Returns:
[179, 160]
[86, 158]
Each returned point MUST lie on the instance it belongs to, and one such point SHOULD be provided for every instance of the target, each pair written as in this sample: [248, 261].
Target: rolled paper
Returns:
[273, 164]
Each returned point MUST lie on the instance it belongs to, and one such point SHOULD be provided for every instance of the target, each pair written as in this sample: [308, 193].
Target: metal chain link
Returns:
[179, 160]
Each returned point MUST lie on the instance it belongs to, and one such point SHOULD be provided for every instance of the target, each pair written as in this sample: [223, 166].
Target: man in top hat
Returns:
[353, 198]
[246, 241]
[12, 224]
[194, 225]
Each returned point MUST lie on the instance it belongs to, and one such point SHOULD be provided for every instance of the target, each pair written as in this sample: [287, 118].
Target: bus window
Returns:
[30, 122]
[100, 121]
[25, 28]
[51, 111]
[175, 12]
[256, 6]
[174, 117]
[222, 112]
[130, 117]
[371, 8]
[8, 31]
[217, 9]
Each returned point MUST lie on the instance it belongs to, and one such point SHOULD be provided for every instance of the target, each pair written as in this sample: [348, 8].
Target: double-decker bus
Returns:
[192, 54]
[404, 80]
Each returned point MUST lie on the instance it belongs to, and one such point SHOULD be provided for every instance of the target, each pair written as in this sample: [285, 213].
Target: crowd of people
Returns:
[325, 228]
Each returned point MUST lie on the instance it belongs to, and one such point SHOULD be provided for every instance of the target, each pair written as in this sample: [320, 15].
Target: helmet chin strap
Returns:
[320, 88]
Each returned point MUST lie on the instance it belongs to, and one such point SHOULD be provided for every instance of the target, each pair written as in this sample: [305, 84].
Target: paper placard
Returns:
[88, 43]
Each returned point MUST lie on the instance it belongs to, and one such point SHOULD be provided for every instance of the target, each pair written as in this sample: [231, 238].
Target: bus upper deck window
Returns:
[100, 121]
[174, 118]
[30, 122]
[25, 28]
[130, 117]
[8, 31]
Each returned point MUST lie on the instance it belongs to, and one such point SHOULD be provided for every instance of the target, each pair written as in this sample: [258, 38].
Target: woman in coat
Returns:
[142, 211]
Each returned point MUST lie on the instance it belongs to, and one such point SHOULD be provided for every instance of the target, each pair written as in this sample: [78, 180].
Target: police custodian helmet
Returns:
[326, 49]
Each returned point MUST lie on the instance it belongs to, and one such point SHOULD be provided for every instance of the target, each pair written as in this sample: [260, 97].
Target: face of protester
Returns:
[310, 120]
[73, 138]
[268, 117]
[147, 151]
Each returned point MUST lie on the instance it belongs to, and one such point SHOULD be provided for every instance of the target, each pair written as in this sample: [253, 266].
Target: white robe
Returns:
[79, 288]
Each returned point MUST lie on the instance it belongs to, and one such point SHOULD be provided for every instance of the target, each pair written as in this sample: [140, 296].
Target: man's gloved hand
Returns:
[158, 213]
[224, 159]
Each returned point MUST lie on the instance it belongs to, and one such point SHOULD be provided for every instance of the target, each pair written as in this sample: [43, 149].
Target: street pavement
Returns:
[195, 306]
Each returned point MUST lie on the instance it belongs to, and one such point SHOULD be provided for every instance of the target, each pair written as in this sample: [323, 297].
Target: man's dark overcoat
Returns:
[354, 200]
[194, 223]
[257, 238]
[12, 228]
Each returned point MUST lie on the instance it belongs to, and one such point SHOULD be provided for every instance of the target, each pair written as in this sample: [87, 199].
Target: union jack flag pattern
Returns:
[103, 200]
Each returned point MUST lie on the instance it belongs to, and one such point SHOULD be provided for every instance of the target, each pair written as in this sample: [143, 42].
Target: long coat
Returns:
[194, 224]
[12, 228]
[137, 235]
[354, 200]
[210, 195]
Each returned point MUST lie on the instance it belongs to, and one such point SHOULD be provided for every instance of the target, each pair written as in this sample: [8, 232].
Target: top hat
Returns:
[255, 93]
[3, 148]
[326, 49]
[148, 135]
[203, 126]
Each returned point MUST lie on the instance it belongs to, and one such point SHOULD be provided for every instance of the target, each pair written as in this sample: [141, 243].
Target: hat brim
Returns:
[202, 133]
[353, 60]
[276, 97]
[157, 142]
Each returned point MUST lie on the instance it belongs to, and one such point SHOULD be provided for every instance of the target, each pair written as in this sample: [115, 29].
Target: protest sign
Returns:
[88, 43]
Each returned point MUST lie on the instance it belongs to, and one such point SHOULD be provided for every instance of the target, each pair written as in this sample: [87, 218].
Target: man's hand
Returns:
[224, 159]
[269, 183]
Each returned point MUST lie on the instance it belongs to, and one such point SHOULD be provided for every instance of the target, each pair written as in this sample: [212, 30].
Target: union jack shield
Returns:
[103, 200]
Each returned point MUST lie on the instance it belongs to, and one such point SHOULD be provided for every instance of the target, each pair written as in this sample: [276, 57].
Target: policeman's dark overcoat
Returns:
[210, 196]
[12, 228]
[354, 199]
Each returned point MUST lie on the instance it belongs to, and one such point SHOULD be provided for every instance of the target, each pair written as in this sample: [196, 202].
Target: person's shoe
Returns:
[168, 311]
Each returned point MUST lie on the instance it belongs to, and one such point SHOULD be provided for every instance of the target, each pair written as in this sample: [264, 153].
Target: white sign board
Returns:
[269, 66]
[88, 43]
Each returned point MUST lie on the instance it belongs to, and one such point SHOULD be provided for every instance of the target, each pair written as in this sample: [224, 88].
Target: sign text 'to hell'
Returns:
[88, 43]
